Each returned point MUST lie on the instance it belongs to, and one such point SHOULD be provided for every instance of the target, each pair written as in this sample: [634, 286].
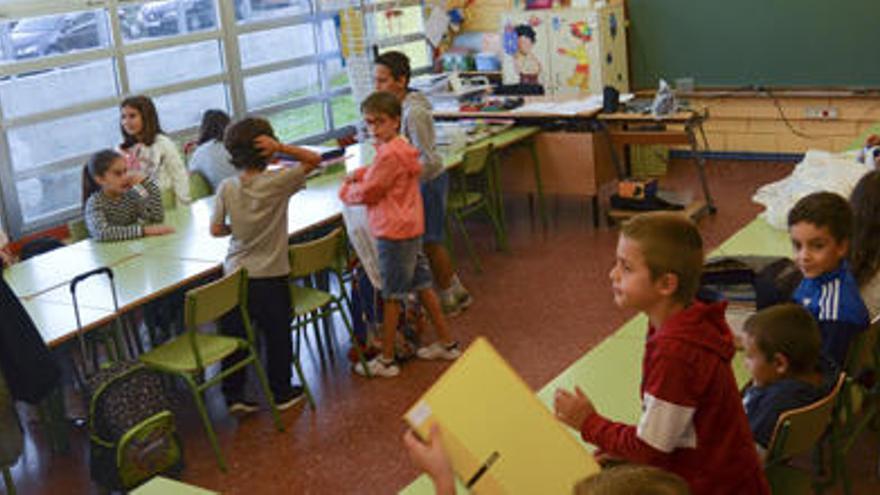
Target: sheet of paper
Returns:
[436, 25]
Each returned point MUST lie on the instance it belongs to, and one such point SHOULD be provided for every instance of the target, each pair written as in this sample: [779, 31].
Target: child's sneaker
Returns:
[438, 350]
[463, 299]
[450, 304]
[378, 367]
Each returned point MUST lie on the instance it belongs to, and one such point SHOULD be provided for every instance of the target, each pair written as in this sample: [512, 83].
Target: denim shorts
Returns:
[403, 267]
[434, 194]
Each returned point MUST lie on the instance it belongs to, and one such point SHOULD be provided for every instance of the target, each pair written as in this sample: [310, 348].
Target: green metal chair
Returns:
[187, 355]
[311, 305]
[199, 186]
[474, 189]
[857, 407]
[11, 440]
[798, 431]
[77, 230]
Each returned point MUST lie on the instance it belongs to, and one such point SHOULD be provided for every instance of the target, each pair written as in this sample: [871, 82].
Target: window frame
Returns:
[225, 32]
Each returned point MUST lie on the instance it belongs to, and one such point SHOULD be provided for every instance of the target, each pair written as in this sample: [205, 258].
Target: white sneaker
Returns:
[464, 299]
[378, 368]
[438, 350]
[450, 305]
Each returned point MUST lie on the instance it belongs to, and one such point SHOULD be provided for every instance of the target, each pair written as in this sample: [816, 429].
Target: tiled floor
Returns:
[543, 305]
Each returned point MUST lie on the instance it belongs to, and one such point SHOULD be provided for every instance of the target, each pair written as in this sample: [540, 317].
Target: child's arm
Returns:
[219, 227]
[663, 427]
[369, 185]
[100, 229]
[150, 208]
[173, 165]
[309, 160]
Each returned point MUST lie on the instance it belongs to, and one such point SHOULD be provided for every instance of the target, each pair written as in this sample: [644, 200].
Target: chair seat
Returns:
[458, 201]
[177, 356]
[304, 300]
[786, 479]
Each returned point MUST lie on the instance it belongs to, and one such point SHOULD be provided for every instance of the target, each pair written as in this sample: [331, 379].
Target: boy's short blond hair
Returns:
[632, 479]
[670, 243]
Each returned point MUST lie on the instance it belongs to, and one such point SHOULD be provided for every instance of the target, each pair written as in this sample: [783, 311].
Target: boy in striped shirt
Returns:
[820, 226]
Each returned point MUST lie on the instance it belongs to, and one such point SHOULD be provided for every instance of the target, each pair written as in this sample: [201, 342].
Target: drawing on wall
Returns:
[519, 43]
[581, 35]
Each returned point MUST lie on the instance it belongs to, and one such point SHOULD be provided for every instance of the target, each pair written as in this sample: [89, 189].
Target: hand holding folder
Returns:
[498, 436]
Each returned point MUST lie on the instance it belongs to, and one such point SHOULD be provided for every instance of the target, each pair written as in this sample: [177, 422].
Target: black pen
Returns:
[480, 472]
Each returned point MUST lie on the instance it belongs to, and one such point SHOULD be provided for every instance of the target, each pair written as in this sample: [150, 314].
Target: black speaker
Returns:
[610, 99]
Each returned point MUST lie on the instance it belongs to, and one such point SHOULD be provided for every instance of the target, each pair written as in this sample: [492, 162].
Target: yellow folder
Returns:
[499, 436]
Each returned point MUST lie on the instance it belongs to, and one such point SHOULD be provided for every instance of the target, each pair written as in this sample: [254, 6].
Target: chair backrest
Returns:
[209, 302]
[475, 159]
[863, 350]
[199, 186]
[798, 430]
[314, 256]
[77, 230]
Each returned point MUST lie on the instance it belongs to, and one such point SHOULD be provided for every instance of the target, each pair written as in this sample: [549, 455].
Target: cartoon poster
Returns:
[524, 43]
[573, 61]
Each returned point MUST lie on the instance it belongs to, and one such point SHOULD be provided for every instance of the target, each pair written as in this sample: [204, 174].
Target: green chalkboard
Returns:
[743, 43]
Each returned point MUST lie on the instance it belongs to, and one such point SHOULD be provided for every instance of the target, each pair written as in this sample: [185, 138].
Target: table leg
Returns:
[700, 162]
[498, 200]
[539, 184]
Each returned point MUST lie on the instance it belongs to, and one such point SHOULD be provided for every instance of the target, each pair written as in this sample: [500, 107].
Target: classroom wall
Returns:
[748, 122]
[753, 123]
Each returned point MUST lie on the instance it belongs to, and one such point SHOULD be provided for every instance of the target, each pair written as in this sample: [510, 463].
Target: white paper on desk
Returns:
[363, 242]
[571, 107]
[437, 24]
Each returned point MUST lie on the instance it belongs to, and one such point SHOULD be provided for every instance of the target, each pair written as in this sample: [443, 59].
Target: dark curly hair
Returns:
[239, 141]
[824, 209]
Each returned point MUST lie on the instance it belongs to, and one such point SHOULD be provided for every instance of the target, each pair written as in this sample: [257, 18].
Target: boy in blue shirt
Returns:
[783, 353]
[820, 226]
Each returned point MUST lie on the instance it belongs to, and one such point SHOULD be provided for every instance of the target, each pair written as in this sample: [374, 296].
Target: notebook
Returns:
[499, 436]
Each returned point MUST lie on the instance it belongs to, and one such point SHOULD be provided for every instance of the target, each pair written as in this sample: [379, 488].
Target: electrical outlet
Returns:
[820, 113]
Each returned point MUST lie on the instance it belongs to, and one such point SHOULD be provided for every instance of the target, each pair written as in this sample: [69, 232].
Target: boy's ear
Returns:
[842, 248]
[667, 284]
[780, 363]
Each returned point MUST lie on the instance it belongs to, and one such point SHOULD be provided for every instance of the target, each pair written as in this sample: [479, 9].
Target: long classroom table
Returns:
[150, 267]
[610, 373]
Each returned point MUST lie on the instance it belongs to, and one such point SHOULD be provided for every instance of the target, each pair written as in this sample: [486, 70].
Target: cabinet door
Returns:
[572, 51]
[526, 47]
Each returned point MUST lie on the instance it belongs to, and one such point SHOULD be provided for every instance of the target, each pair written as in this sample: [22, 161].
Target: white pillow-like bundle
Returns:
[818, 171]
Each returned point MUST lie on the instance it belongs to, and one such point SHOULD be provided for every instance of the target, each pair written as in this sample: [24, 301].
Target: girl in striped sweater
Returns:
[120, 204]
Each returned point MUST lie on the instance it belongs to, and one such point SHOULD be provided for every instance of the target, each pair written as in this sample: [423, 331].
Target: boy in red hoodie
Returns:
[390, 190]
[692, 422]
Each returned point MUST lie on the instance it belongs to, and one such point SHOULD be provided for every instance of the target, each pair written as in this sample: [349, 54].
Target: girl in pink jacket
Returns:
[390, 191]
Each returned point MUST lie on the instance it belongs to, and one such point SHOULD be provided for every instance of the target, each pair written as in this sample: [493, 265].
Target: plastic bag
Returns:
[818, 171]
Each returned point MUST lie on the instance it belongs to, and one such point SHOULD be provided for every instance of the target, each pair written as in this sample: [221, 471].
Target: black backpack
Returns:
[132, 435]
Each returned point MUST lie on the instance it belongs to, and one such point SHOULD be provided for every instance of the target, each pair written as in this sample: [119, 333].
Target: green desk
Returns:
[56, 321]
[138, 280]
[758, 238]
[59, 267]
